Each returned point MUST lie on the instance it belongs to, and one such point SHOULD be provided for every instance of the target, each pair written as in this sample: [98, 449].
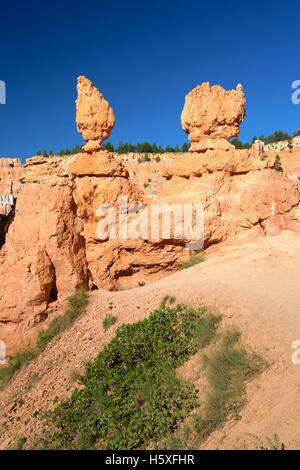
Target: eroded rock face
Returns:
[242, 195]
[258, 148]
[103, 163]
[43, 259]
[10, 175]
[212, 115]
[94, 117]
[121, 262]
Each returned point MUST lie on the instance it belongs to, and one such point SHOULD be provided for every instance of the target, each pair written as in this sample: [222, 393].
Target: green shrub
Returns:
[108, 321]
[130, 393]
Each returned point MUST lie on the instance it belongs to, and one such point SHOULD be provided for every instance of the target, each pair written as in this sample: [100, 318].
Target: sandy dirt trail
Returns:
[255, 286]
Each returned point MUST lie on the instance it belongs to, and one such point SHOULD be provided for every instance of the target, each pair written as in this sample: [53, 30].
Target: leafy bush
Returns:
[131, 394]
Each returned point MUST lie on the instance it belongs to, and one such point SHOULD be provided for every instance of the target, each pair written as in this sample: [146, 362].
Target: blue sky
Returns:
[144, 56]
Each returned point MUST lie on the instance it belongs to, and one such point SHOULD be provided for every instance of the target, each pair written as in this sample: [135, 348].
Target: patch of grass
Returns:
[76, 306]
[20, 359]
[109, 321]
[19, 444]
[33, 380]
[130, 394]
[227, 368]
[74, 376]
[194, 259]
[271, 443]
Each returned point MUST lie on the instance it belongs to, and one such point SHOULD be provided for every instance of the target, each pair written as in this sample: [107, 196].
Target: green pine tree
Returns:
[278, 166]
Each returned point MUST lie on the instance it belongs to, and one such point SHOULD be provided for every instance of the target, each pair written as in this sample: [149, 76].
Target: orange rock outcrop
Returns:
[43, 259]
[94, 117]
[212, 115]
[242, 196]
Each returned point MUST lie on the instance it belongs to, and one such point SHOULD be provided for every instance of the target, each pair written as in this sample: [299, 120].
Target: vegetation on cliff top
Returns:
[146, 147]
[277, 136]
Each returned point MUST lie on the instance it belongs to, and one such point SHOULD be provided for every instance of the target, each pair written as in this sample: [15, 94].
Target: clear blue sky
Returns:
[144, 56]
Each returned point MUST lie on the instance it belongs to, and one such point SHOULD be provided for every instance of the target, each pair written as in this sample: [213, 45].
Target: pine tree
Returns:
[278, 166]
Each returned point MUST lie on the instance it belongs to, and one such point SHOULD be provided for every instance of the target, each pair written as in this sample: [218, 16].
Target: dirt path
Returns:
[255, 286]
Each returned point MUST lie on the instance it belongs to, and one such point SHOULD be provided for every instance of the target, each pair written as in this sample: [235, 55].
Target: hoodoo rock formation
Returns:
[212, 115]
[94, 117]
[241, 193]
[258, 148]
[101, 179]
[53, 245]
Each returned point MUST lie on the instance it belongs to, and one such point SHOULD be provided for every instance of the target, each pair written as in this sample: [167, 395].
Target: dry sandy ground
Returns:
[255, 286]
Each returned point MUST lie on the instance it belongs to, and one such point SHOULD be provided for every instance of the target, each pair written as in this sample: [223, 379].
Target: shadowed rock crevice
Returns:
[5, 221]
